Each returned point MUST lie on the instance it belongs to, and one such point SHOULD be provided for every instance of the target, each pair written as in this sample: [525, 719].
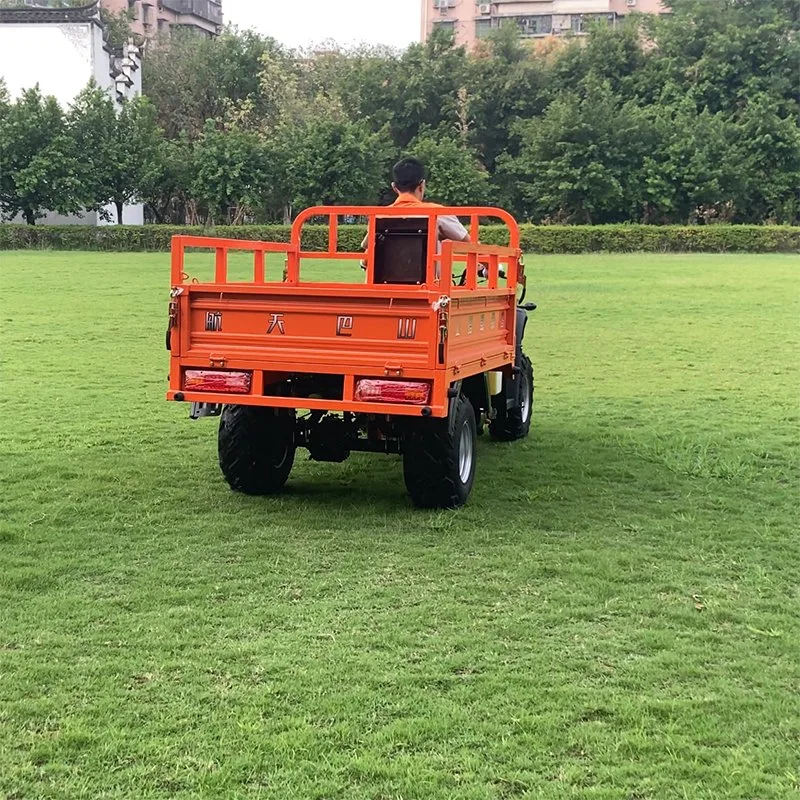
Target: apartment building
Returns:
[151, 17]
[471, 21]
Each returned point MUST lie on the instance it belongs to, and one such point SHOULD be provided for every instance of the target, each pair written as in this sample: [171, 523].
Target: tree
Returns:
[231, 173]
[506, 84]
[426, 89]
[93, 126]
[702, 160]
[333, 162]
[581, 161]
[118, 29]
[191, 80]
[39, 169]
[168, 192]
[770, 145]
[124, 144]
[723, 53]
[455, 176]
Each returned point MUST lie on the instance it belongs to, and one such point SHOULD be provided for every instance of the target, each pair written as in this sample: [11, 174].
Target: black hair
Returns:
[408, 173]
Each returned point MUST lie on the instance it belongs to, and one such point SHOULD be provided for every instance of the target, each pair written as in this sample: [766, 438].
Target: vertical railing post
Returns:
[333, 233]
[258, 269]
[221, 266]
[494, 270]
[431, 277]
[446, 268]
[177, 260]
[472, 270]
[293, 267]
[372, 225]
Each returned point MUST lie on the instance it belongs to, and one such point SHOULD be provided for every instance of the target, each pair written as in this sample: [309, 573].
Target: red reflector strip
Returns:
[377, 391]
[206, 380]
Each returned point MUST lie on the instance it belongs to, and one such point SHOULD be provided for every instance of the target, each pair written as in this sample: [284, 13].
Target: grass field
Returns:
[616, 614]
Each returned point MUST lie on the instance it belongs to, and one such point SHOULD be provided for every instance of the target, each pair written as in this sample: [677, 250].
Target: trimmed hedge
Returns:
[535, 238]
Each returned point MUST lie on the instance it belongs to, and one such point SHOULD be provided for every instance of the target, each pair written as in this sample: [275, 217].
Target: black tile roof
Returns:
[85, 13]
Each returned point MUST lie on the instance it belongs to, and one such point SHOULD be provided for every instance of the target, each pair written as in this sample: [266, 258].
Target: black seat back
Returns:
[401, 250]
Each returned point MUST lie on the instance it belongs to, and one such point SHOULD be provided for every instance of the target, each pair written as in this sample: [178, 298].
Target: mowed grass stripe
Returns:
[614, 615]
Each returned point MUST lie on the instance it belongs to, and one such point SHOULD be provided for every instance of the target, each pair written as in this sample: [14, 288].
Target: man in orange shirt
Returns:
[409, 186]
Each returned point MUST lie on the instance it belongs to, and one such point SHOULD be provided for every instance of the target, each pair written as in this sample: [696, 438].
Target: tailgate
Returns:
[312, 328]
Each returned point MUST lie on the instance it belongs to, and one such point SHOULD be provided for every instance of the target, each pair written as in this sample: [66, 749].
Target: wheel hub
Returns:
[465, 454]
[526, 401]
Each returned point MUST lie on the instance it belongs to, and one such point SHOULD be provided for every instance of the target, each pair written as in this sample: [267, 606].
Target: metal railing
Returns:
[205, 9]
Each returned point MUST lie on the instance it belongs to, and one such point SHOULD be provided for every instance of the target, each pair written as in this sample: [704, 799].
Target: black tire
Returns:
[256, 448]
[514, 423]
[439, 467]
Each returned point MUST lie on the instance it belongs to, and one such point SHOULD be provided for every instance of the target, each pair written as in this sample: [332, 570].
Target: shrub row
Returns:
[535, 238]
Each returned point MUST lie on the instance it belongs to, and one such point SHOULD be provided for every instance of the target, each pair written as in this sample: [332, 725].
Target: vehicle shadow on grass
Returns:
[556, 479]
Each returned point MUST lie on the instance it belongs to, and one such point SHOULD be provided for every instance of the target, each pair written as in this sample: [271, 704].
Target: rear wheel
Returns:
[439, 462]
[514, 423]
[256, 448]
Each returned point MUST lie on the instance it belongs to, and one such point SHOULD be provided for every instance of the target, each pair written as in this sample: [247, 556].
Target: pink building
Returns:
[470, 21]
[158, 16]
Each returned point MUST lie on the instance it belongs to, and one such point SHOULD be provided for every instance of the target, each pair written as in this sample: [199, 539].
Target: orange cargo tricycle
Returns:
[414, 361]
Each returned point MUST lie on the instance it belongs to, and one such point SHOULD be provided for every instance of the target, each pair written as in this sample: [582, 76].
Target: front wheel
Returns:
[514, 405]
[439, 459]
[256, 448]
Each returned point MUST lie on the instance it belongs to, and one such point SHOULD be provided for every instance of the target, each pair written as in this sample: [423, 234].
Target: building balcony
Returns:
[207, 10]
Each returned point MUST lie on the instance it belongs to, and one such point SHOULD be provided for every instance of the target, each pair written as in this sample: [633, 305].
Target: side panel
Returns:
[481, 332]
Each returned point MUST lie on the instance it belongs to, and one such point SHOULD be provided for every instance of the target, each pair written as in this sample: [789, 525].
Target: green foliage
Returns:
[231, 173]
[332, 162]
[39, 165]
[534, 238]
[687, 118]
[117, 26]
[570, 161]
[127, 146]
[456, 175]
[192, 79]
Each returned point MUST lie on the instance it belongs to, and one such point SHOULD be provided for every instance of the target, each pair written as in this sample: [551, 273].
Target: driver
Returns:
[409, 186]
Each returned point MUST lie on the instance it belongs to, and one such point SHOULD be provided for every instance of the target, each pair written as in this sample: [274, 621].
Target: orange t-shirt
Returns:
[449, 226]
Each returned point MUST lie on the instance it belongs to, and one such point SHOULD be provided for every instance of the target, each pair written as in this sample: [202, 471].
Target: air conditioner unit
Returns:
[485, 8]
[631, 3]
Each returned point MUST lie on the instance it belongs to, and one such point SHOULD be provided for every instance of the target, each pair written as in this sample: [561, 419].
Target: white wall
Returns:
[61, 58]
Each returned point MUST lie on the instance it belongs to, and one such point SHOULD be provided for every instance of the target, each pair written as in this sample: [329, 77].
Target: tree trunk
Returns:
[30, 217]
[119, 204]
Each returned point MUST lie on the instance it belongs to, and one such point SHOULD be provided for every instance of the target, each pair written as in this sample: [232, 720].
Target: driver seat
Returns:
[401, 250]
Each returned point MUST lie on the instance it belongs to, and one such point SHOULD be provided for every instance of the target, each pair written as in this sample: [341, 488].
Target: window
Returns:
[483, 28]
[538, 25]
[448, 25]
[582, 22]
[541, 24]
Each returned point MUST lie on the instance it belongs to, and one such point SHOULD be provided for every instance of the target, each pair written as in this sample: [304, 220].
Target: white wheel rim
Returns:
[465, 453]
[526, 400]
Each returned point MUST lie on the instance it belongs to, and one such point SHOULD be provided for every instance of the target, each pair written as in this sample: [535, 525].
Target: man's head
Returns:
[409, 177]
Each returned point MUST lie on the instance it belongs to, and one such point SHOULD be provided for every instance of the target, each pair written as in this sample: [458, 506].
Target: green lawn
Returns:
[616, 614]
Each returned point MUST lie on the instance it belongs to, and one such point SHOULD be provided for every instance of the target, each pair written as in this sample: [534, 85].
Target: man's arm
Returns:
[450, 228]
